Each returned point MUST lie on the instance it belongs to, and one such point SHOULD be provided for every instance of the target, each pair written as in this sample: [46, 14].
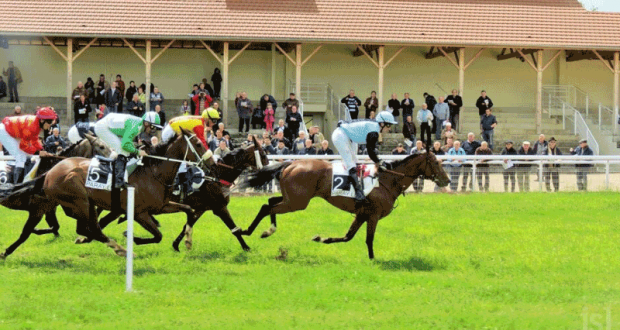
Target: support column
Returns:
[380, 83]
[225, 84]
[273, 70]
[616, 89]
[539, 83]
[148, 63]
[69, 82]
[461, 72]
[298, 70]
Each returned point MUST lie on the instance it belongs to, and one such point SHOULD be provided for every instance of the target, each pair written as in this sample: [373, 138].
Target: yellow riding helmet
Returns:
[210, 113]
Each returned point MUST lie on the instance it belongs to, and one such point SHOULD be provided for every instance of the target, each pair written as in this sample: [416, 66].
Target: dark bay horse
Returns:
[64, 185]
[212, 196]
[302, 180]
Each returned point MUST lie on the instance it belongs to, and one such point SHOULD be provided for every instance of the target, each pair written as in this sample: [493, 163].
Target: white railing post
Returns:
[474, 181]
[540, 176]
[600, 119]
[563, 115]
[607, 175]
[130, 210]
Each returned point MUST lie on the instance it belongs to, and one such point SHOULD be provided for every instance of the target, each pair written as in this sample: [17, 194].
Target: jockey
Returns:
[348, 134]
[77, 131]
[118, 131]
[194, 124]
[20, 136]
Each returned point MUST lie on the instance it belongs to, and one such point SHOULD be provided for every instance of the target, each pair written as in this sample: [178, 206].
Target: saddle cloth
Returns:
[342, 186]
[100, 173]
[196, 177]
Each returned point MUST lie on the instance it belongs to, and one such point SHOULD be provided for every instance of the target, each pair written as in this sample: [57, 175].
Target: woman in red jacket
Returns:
[20, 136]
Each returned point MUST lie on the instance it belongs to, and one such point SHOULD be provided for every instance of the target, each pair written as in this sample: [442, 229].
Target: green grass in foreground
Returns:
[478, 261]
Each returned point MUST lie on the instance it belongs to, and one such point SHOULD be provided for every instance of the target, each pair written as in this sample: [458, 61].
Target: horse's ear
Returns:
[255, 141]
[89, 136]
[185, 132]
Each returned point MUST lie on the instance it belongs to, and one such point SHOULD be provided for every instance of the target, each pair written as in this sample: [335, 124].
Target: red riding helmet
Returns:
[46, 113]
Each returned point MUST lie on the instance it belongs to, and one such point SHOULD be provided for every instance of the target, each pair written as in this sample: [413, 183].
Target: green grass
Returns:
[476, 261]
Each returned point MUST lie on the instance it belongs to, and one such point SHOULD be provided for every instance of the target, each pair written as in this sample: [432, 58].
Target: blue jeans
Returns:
[487, 135]
[438, 123]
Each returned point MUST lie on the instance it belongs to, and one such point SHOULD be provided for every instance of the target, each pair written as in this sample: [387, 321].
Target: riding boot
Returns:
[182, 184]
[17, 173]
[119, 171]
[359, 193]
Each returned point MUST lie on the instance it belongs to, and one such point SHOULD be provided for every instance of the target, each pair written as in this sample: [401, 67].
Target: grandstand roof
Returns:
[518, 23]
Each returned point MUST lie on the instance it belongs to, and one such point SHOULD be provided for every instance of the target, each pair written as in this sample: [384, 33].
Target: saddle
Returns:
[363, 171]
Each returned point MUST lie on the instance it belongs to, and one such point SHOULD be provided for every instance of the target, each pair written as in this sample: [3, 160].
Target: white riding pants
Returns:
[113, 141]
[11, 144]
[73, 135]
[167, 134]
[346, 148]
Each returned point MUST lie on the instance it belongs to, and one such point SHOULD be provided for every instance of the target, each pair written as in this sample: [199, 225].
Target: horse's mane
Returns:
[397, 163]
[160, 149]
[70, 148]
[233, 156]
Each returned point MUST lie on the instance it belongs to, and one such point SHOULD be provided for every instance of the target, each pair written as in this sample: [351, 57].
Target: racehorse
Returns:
[213, 196]
[64, 185]
[302, 180]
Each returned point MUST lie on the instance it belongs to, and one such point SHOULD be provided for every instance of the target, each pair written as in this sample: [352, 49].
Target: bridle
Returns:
[188, 148]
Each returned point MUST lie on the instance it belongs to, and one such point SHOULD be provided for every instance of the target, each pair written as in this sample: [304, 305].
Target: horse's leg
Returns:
[371, 226]
[230, 223]
[146, 221]
[52, 221]
[187, 230]
[89, 227]
[355, 226]
[265, 210]
[104, 222]
[33, 220]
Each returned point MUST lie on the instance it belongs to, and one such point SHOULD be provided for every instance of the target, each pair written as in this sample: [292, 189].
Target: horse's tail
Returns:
[268, 173]
[18, 197]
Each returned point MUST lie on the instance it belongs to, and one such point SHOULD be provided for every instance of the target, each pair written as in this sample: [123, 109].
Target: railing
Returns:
[605, 117]
[582, 129]
[302, 126]
[553, 96]
[338, 108]
[311, 92]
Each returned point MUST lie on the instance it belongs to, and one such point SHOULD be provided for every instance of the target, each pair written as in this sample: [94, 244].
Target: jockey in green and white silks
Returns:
[364, 131]
[118, 131]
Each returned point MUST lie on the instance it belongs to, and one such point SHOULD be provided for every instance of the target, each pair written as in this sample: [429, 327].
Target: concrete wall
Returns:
[509, 83]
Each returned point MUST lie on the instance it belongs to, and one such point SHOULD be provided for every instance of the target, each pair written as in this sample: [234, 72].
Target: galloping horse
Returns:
[302, 180]
[213, 196]
[64, 185]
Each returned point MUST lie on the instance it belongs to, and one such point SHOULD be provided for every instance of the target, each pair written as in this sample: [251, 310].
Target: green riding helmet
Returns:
[152, 117]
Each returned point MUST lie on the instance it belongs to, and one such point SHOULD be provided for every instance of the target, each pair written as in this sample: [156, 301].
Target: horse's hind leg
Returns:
[230, 223]
[104, 222]
[88, 226]
[187, 230]
[52, 221]
[265, 210]
[146, 221]
[33, 220]
[355, 226]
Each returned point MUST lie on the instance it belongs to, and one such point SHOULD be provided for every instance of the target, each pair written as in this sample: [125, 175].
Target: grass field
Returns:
[477, 261]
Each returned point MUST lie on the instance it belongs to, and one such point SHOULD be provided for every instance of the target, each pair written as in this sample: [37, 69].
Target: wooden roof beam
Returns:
[513, 54]
[446, 50]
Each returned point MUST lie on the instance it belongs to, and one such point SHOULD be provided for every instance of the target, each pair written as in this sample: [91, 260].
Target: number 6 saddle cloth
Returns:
[342, 185]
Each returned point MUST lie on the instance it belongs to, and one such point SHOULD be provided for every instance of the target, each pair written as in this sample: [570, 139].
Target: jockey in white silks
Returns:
[77, 131]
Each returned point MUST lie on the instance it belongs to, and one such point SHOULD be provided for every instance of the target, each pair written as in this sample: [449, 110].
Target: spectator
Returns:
[308, 148]
[407, 105]
[185, 109]
[231, 145]
[540, 147]
[237, 97]
[258, 117]
[205, 86]
[81, 109]
[299, 142]
[90, 90]
[55, 142]
[371, 104]
[215, 141]
[79, 90]
[551, 170]
[281, 149]
[266, 99]
[202, 102]
[449, 144]
[113, 98]
[455, 165]
[482, 166]
[290, 102]
[483, 103]
[2, 89]
[352, 103]
[136, 108]
[430, 104]
[425, 118]
[316, 136]
[325, 150]
[102, 87]
[216, 106]
[157, 98]
[437, 150]
[293, 121]
[523, 169]
[131, 90]
[372, 115]
[470, 147]
[102, 111]
[280, 137]
[162, 114]
[269, 118]
[141, 95]
[120, 84]
[582, 169]
[418, 183]
[220, 127]
[154, 141]
[442, 114]
[191, 95]
[14, 77]
[409, 131]
[455, 102]
[488, 122]
[400, 150]
[222, 149]
[509, 169]
[448, 132]
[282, 128]
[269, 149]
[244, 110]
[216, 78]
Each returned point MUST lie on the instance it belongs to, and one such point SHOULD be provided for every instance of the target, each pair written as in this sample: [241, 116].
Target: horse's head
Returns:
[98, 147]
[255, 155]
[426, 165]
[187, 146]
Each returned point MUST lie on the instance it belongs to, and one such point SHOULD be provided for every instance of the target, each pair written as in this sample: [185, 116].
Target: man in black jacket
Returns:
[509, 172]
[552, 170]
[582, 169]
[407, 105]
[483, 103]
[394, 104]
[470, 147]
[2, 88]
[455, 102]
[136, 108]
[81, 109]
[430, 104]
[112, 98]
[523, 170]
[325, 150]
[353, 103]
[55, 142]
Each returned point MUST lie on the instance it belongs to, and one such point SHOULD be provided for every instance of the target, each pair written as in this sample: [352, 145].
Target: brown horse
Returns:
[64, 185]
[212, 196]
[302, 180]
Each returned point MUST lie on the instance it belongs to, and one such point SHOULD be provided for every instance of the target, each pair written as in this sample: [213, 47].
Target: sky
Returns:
[602, 5]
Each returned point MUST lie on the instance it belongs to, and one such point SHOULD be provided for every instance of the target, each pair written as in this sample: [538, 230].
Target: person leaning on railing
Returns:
[552, 170]
[582, 169]
[509, 169]
[523, 169]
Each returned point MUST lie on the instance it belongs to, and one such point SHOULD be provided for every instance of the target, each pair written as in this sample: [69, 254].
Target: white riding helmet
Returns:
[386, 117]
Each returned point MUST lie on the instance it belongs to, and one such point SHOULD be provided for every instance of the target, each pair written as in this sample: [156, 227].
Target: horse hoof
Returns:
[265, 234]
[56, 235]
[121, 253]
[175, 246]
[125, 233]
[316, 238]
[188, 245]
[2, 255]
[80, 240]
[247, 249]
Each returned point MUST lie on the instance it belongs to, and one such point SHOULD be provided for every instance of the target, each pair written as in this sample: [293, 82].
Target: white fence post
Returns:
[540, 176]
[130, 209]
[474, 180]
[607, 175]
